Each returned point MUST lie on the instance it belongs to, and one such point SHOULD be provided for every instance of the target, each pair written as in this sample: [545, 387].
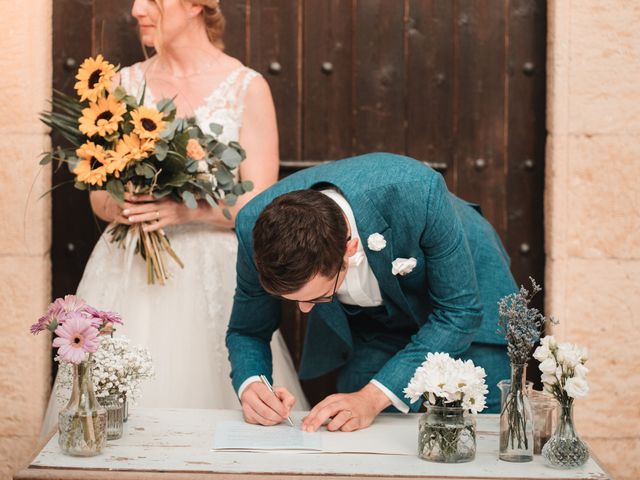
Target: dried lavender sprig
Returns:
[520, 323]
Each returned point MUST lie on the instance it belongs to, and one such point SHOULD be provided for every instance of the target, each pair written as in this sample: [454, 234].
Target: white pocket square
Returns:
[403, 266]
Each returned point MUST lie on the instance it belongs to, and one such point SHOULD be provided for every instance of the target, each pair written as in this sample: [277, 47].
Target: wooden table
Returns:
[176, 445]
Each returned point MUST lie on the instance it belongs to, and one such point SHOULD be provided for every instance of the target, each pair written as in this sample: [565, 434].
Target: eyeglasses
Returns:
[328, 299]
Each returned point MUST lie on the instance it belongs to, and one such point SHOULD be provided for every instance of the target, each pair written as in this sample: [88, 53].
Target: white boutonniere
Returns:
[376, 242]
[403, 266]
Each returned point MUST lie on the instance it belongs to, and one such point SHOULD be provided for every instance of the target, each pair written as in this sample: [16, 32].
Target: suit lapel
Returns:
[369, 221]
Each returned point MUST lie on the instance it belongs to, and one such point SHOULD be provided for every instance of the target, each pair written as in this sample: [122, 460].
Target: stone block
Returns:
[556, 196]
[604, 67]
[16, 452]
[602, 312]
[558, 66]
[603, 198]
[24, 378]
[617, 456]
[25, 217]
[25, 35]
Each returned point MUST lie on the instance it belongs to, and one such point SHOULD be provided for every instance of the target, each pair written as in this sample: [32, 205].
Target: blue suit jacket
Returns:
[450, 297]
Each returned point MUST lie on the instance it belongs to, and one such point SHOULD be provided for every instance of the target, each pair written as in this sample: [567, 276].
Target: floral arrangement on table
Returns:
[521, 325]
[120, 145]
[78, 329]
[118, 368]
[451, 389]
[564, 377]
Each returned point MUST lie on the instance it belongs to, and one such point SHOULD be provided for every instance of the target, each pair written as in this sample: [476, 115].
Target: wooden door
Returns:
[458, 84]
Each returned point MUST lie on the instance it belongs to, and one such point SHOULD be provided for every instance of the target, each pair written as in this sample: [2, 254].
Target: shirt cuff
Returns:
[399, 404]
[245, 384]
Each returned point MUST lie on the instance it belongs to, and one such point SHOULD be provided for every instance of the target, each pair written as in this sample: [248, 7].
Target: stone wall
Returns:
[25, 225]
[593, 212]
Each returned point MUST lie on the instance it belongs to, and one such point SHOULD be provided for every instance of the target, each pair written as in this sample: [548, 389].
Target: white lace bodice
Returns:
[224, 106]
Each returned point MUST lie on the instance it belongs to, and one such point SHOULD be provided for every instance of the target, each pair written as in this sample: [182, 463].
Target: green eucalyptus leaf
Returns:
[189, 199]
[116, 188]
[161, 150]
[231, 158]
[247, 185]
[215, 128]
[46, 158]
[119, 93]
[230, 199]
[80, 185]
[226, 213]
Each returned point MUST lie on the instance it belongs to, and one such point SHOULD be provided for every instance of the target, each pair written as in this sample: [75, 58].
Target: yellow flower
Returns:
[195, 150]
[92, 166]
[128, 149]
[103, 117]
[118, 160]
[147, 122]
[93, 77]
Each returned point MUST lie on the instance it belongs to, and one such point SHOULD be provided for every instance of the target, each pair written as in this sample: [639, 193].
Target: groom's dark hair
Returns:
[297, 236]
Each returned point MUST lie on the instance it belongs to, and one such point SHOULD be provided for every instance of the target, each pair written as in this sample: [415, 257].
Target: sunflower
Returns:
[147, 122]
[138, 147]
[92, 166]
[93, 77]
[102, 117]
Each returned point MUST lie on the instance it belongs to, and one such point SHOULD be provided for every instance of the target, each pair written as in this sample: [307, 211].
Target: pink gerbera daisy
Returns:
[101, 318]
[75, 337]
[51, 319]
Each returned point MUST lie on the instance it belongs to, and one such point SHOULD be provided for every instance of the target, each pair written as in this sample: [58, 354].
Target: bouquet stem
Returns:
[151, 246]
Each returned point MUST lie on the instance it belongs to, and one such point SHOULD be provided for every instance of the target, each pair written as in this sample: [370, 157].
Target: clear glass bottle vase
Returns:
[565, 449]
[82, 423]
[516, 420]
[447, 435]
[115, 416]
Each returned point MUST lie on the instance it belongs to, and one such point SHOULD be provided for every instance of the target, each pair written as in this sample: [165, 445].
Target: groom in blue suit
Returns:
[389, 265]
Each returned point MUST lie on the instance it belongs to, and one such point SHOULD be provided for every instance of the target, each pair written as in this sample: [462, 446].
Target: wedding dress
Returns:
[184, 322]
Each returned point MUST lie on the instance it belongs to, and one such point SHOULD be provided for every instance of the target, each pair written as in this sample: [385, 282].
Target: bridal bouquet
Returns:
[451, 388]
[120, 145]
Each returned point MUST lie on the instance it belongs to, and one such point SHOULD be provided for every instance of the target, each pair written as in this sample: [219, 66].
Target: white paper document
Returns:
[238, 435]
[385, 437]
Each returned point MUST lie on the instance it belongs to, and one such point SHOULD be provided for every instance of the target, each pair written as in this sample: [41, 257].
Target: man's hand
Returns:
[260, 406]
[349, 411]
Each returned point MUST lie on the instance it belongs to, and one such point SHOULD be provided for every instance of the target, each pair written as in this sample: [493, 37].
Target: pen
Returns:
[266, 382]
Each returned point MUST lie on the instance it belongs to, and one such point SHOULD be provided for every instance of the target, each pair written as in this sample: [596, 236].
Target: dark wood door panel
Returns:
[459, 84]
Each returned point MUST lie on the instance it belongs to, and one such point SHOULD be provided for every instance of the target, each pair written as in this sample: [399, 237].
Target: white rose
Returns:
[403, 266]
[549, 341]
[376, 242]
[568, 354]
[581, 371]
[542, 353]
[549, 379]
[576, 387]
[548, 366]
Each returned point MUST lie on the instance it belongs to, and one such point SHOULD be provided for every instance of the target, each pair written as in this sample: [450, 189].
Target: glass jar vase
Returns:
[115, 416]
[82, 423]
[516, 420]
[447, 435]
[565, 449]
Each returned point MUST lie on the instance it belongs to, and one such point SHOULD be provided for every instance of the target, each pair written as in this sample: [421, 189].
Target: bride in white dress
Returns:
[184, 322]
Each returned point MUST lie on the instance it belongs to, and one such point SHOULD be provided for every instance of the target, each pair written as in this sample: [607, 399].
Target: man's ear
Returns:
[352, 247]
